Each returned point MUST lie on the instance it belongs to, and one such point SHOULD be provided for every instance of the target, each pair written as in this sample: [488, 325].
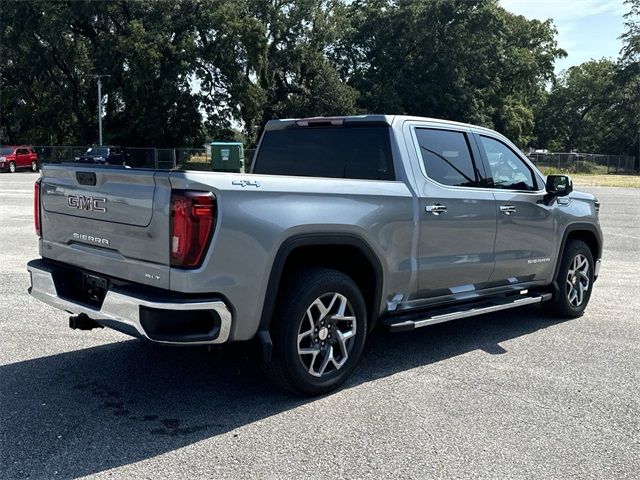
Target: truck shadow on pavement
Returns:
[91, 410]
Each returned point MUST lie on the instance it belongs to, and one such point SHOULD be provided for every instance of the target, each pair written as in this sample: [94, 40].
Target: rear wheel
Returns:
[575, 280]
[12, 167]
[319, 332]
[34, 166]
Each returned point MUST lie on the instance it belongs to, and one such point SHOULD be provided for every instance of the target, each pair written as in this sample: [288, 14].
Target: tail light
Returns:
[36, 207]
[192, 220]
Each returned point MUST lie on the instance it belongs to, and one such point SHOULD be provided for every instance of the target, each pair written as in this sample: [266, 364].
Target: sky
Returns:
[587, 29]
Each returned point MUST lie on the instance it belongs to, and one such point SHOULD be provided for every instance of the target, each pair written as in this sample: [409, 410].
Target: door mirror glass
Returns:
[559, 185]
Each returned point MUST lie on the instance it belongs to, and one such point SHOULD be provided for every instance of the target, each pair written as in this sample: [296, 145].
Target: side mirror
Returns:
[558, 186]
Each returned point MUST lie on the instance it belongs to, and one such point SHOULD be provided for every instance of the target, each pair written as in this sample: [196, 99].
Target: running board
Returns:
[406, 322]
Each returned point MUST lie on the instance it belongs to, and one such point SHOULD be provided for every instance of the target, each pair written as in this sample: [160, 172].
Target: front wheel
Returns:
[319, 331]
[575, 281]
[12, 167]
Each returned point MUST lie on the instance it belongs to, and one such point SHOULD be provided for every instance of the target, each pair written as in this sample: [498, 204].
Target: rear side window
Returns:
[447, 157]
[362, 152]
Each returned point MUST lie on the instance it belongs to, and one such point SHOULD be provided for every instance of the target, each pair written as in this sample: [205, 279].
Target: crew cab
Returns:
[14, 158]
[343, 224]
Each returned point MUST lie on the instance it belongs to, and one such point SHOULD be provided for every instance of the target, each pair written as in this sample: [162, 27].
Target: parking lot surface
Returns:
[508, 395]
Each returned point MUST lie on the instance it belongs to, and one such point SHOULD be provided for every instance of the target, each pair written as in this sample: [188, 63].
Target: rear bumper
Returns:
[124, 311]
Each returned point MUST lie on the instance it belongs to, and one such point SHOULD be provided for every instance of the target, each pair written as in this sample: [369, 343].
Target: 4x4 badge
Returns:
[246, 183]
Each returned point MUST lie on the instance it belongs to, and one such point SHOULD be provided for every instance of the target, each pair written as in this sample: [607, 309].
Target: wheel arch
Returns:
[328, 250]
[586, 232]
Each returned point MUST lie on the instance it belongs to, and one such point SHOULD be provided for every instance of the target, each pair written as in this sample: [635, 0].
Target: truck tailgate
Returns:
[109, 220]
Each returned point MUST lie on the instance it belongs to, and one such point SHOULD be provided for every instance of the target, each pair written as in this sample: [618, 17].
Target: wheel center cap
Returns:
[322, 334]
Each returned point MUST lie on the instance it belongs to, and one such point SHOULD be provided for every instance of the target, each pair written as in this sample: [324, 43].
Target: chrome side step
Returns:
[402, 324]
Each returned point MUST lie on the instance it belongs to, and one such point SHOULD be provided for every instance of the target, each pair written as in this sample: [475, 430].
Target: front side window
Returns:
[447, 157]
[506, 168]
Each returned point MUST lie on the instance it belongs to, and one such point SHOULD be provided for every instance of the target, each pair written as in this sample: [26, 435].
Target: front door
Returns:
[457, 215]
[526, 234]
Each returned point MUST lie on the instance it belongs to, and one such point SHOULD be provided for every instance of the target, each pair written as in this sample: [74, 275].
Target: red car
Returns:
[14, 157]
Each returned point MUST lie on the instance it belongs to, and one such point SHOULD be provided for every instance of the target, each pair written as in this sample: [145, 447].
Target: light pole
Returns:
[99, 77]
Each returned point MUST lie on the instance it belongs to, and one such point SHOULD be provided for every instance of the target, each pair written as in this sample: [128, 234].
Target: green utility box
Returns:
[227, 156]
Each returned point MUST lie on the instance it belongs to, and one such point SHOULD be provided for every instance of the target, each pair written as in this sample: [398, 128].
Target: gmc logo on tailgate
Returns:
[81, 202]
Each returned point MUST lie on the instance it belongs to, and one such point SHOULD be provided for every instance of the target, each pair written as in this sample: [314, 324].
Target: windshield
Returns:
[97, 151]
[6, 150]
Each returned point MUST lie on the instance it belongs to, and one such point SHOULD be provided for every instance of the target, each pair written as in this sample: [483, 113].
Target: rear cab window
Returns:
[354, 151]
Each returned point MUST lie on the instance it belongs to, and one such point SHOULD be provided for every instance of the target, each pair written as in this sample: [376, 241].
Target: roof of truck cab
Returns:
[351, 119]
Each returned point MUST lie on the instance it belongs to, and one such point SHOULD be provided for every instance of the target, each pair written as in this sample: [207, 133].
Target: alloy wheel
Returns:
[578, 281]
[327, 334]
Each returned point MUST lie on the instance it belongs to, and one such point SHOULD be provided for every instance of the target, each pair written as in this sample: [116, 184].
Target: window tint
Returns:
[507, 169]
[362, 152]
[447, 157]
[22, 151]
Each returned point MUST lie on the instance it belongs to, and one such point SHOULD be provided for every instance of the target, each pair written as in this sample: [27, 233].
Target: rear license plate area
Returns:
[94, 288]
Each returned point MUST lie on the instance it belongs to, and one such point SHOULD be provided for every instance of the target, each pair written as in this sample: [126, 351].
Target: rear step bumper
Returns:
[402, 324]
[130, 313]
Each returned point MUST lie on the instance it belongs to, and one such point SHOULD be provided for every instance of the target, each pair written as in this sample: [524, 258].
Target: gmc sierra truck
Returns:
[343, 224]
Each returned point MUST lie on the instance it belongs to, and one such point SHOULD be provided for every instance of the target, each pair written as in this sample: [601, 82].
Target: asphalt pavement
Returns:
[510, 395]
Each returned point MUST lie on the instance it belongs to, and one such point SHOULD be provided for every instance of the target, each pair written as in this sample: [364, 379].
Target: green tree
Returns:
[595, 106]
[267, 58]
[52, 50]
[577, 113]
[462, 60]
[627, 121]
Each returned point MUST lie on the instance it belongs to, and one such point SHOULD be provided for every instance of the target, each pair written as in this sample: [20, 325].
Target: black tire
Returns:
[291, 370]
[12, 167]
[34, 166]
[561, 305]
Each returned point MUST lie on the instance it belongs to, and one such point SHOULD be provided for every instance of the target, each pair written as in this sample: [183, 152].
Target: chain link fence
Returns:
[200, 159]
[143, 157]
[583, 163]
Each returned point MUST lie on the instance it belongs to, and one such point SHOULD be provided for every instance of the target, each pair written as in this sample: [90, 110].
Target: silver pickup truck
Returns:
[344, 223]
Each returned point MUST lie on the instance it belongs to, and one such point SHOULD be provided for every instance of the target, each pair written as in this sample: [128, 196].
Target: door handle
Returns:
[507, 209]
[436, 209]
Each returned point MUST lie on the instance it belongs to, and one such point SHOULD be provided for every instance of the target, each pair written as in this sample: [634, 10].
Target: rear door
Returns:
[109, 220]
[457, 215]
[526, 234]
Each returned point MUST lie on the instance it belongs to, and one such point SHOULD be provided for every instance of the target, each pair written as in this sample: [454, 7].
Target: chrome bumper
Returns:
[124, 309]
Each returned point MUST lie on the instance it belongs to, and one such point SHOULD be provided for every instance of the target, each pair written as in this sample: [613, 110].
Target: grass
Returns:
[596, 176]
[611, 180]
